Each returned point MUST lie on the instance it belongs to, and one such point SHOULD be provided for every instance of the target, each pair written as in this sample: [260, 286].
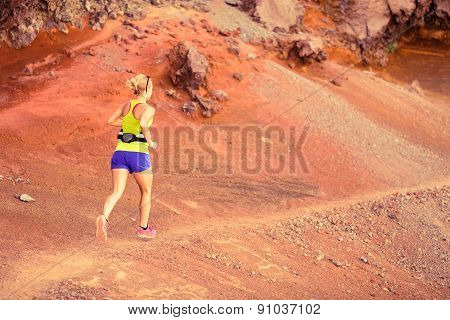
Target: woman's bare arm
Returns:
[144, 120]
[116, 118]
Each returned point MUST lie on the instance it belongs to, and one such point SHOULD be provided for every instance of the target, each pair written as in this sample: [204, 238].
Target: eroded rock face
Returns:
[188, 67]
[443, 10]
[23, 34]
[360, 18]
[369, 19]
[275, 14]
[401, 9]
[375, 23]
[21, 20]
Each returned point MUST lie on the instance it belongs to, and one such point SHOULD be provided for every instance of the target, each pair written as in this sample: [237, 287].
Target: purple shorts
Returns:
[134, 162]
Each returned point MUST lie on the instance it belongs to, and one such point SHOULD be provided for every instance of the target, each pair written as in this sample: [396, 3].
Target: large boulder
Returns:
[370, 20]
[375, 24]
[309, 50]
[360, 19]
[301, 47]
[188, 67]
[401, 10]
[443, 10]
[275, 14]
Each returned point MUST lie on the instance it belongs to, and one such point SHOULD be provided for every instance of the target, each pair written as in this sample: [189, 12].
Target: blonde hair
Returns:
[139, 85]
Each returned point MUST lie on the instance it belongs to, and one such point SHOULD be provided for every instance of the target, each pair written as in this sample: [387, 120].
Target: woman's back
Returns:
[131, 124]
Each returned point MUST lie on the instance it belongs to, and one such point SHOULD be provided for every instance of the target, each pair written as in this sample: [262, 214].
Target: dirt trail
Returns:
[297, 235]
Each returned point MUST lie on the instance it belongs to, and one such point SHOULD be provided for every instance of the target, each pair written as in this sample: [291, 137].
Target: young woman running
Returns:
[132, 155]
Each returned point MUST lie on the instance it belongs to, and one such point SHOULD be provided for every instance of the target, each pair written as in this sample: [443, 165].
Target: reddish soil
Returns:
[369, 220]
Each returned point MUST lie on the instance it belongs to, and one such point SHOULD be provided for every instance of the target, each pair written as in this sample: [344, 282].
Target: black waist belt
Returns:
[130, 137]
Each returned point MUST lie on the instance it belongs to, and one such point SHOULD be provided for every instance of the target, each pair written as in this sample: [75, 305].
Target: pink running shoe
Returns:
[149, 233]
[101, 228]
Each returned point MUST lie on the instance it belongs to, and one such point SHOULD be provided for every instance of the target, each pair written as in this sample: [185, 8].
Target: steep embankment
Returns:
[367, 219]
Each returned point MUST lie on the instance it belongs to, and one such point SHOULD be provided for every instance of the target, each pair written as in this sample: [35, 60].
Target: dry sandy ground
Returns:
[369, 219]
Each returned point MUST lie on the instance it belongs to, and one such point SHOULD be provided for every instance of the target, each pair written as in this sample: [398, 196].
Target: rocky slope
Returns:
[366, 26]
[21, 21]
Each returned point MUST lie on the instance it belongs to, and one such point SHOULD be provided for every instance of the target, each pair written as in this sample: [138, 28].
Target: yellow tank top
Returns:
[131, 125]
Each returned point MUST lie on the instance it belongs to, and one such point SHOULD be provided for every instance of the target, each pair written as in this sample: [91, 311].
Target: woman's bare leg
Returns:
[144, 181]
[119, 177]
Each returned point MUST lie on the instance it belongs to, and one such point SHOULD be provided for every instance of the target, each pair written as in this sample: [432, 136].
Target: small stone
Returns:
[133, 219]
[139, 36]
[209, 106]
[234, 49]
[1, 177]
[233, 3]
[251, 56]
[26, 198]
[190, 107]
[207, 113]
[337, 263]
[28, 69]
[238, 76]
[320, 256]
[70, 53]
[392, 215]
[292, 64]
[113, 15]
[364, 260]
[171, 93]
[96, 26]
[51, 73]
[117, 38]
[337, 82]
[416, 88]
[219, 95]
